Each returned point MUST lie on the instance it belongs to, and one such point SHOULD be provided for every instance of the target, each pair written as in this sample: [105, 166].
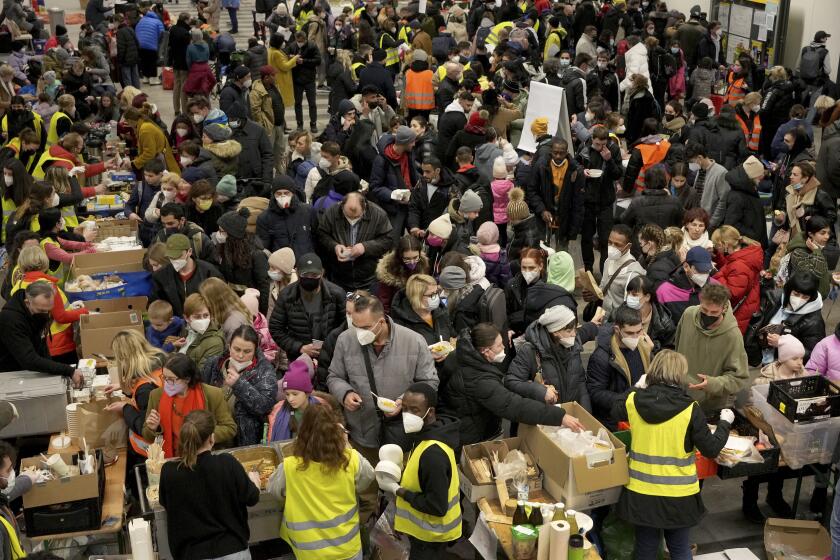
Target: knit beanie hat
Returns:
[477, 120]
[297, 378]
[790, 348]
[441, 226]
[754, 168]
[452, 278]
[283, 260]
[235, 222]
[517, 208]
[404, 135]
[499, 168]
[215, 116]
[478, 270]
[488, 238]
[226, 186]
[251, 299]
[218, 132]
[556, 317]
[193, 174]
[539, 127]
[470, 202]
[509, 155]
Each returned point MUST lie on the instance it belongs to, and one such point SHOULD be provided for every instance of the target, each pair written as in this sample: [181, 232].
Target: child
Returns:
[703, 78]
[167, 193]
[251, 299]
[494, 257]
[163, 328]
[788, 364]
[297, 395]
[500, 187]
[50, 85]
[45, 106]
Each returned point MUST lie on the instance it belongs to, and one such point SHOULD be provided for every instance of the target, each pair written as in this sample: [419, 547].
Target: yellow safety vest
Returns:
[659, 464]
[55, 328]
[68, 212]
[492, 38]
[14, 144]
[441, 72]
[39, 125]
[58, 271]
[422, 526]
[14, 542]
[303, 17]
[9, 208]
[323, 529]
[392, 56]
[354, 70]
[52, 133]
[402, 36]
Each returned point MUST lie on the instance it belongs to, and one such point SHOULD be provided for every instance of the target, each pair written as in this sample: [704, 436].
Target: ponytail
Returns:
[198, 426]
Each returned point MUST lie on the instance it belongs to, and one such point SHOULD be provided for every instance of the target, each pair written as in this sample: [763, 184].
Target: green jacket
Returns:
[719, 354]
[803, 258]
[210, 343]
[215, 403]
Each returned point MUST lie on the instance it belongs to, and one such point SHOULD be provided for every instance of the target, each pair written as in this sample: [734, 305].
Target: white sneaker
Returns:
[154, 82]
[145, 80]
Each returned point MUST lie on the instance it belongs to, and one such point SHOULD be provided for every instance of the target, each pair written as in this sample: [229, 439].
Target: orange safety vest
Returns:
[736, 90]
[753, 137]
[419, 93]
[651, 155]
[138, 444]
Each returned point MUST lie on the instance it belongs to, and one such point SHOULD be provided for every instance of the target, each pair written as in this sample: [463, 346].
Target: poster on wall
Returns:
[723, 17]
[740, 20]
[735, 45]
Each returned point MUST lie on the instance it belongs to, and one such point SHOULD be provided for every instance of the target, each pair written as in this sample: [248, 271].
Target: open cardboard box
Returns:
[116, 228]
[112, 261]
[468, 483]
[806, 538]
[581, 485]
[97, 332]
[134, 303]
[62, 490]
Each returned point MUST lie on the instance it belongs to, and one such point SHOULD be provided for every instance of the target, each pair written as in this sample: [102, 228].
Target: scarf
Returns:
[703, 241]
[282, 428]
[392, 154]
[558, 176]
[173, 410]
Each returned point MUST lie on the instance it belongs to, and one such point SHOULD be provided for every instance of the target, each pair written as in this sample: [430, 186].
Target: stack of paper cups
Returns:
[140, 535]
[72, 415]
[559, 541]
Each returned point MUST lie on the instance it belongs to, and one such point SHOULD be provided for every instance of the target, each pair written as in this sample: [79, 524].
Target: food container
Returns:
[524, 541]
[805, 399]
[386, 405]
[261, 459]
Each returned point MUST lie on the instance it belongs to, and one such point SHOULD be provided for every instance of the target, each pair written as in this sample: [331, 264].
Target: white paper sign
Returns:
[484, 539]
[545, 101]
[740, 20]
[421, 7]
[771, 21]
[723, 16]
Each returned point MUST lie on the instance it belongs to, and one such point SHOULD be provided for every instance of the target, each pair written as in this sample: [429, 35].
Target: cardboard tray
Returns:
[96, 332]
[468, 482]
[806, 538]
[112, 261]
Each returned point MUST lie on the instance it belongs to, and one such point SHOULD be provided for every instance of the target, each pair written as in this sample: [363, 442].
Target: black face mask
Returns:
[172, 231]
[707, 320]
[309, 284]
[669, 118]
[41, 317]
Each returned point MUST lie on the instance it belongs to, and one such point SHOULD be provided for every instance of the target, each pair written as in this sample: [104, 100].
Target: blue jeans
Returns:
[234, 24]
[648, 539]
[130, 76]
[835, 524]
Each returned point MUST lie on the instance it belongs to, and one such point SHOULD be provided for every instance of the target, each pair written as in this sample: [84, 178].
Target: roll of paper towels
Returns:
[559, 540]
[140, 535]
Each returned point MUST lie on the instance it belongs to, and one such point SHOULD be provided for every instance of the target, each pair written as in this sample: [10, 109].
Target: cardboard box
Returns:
[62, 490]
[116, 228]
[112, 261]
[581, 485]
[96, 332]
[806, 538]
[470, 486]
[136, 303]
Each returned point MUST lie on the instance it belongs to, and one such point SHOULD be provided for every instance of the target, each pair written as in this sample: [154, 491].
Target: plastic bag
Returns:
[619, 539]
[514, 462]
[388, 543]
[739, 449]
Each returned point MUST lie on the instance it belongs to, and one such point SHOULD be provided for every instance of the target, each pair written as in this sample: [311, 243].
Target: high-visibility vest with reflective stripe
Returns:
[14, 541]
[52, 133]
[658, 462]
[492, 38]
[419, 93]
[30, 161]
[58, 271]
[402, 36]
[302, 18]
[138, 444]
[355, 68]
[392, 56]
[651, 155]
[38, 121]
[9, 208]
[422, 526]
[441, 72]
[55, 328]
[752, 137]
[325, 528]
[68, 212]
[736, 90]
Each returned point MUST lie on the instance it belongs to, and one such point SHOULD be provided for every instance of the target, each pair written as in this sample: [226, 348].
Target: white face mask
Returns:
[633, 302]
[500, 357]
[199, 325]
[568, 341]
[613, 253]
[10, 482]
[324, 164]
[630, 342]
[54, 200]
[247, 84]
[694, 166]
[796, 302]
[275, 275]
[186, 160]
[412, 423]
[169, 196]
[756, 108]
[239, 366]
[181, 132]
[178, 264]
[700, 279]
[8, 180]
[434, 302]
[283, 201]
[365, 336]
[530, 276]
[219, 237]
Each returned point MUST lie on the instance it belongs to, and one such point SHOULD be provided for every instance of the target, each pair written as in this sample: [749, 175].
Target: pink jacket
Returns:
[500, 188]
[825, 358]
[267, 344]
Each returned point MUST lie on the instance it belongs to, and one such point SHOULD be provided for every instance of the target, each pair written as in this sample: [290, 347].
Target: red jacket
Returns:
[58, 342]
[91, 169]
[739, 271]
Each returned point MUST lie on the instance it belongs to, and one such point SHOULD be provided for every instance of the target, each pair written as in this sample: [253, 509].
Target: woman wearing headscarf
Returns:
[561, 271]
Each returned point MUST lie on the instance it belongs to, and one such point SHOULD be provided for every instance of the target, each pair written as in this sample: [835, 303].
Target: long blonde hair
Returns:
[197, 427]
[222, 300]
[59, 178]
[135, 358]
[728, 236]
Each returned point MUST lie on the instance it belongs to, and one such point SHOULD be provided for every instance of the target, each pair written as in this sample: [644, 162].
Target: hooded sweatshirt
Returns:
[825, 357]
[717, 353]
[435, 471]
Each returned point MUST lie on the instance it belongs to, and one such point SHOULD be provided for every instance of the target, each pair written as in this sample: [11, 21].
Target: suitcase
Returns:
[167, 78]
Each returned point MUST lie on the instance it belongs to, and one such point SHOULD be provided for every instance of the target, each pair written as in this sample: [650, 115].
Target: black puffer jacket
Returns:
[341, 85]
[560, 367]
[128, 50]
[475, 393]
[807, 327]
[778, 98]
[24, 347]
[256, 276]
[292, 327]
[600, 192]
[256, 160]
[661, 266]
[524, 307]
[287, 227]
[421, 209]
[525, 235]
[661, 328]
[426, 146]
[654, 206]
[466, 313]
[727, 146]
[743, 208]
[403, 314]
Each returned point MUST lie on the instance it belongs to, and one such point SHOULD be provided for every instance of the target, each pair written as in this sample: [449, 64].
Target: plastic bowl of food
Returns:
[386, 405]
[442, 348]
[594, 173]
[389, 470]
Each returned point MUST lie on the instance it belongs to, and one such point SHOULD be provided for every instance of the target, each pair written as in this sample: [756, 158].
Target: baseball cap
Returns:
[176, 245]
[700, 259]
[820, 36]
[309, 264]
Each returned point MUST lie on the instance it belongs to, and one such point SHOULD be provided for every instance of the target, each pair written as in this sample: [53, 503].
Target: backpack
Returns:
[811, 65]
[492, 308]
[441, 45]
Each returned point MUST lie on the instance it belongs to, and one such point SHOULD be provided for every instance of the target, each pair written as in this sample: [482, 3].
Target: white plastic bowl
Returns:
[389, 469]
[391, 452]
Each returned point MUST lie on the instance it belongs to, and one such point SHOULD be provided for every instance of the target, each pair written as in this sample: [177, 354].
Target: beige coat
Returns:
[262, 111]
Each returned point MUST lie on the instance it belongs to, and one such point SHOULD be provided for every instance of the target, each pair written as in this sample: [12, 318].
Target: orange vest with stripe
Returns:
[736, 90]
[651, 155]
[419, 92]
[752, 137]
[138, 444]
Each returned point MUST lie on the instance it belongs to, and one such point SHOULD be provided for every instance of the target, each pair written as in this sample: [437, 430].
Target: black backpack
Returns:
[492, 308]
[811, 65]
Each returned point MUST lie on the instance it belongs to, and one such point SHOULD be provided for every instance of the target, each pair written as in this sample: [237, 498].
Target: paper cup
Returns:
[57, 465]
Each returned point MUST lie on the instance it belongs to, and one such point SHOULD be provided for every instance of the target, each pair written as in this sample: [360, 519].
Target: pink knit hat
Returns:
[488, 238]
[297, 378]
[790, 347]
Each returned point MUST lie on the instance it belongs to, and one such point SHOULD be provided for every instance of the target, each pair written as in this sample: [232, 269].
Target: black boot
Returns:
[776, 500]
[818, 500]
[749, 503]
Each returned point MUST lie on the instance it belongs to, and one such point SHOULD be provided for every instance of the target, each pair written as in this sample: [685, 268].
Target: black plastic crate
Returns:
[805, 399]
[771, 456]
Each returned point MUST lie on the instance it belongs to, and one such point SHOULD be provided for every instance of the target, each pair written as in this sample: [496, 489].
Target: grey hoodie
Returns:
[485, 155]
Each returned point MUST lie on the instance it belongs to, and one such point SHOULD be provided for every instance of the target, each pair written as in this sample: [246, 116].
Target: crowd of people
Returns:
[403, 276]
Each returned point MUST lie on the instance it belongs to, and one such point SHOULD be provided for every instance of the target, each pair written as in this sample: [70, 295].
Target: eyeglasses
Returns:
[411, 261]
[170, 380]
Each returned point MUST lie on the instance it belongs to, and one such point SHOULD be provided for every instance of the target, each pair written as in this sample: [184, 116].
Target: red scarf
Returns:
[392, 154]
[173, 410]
